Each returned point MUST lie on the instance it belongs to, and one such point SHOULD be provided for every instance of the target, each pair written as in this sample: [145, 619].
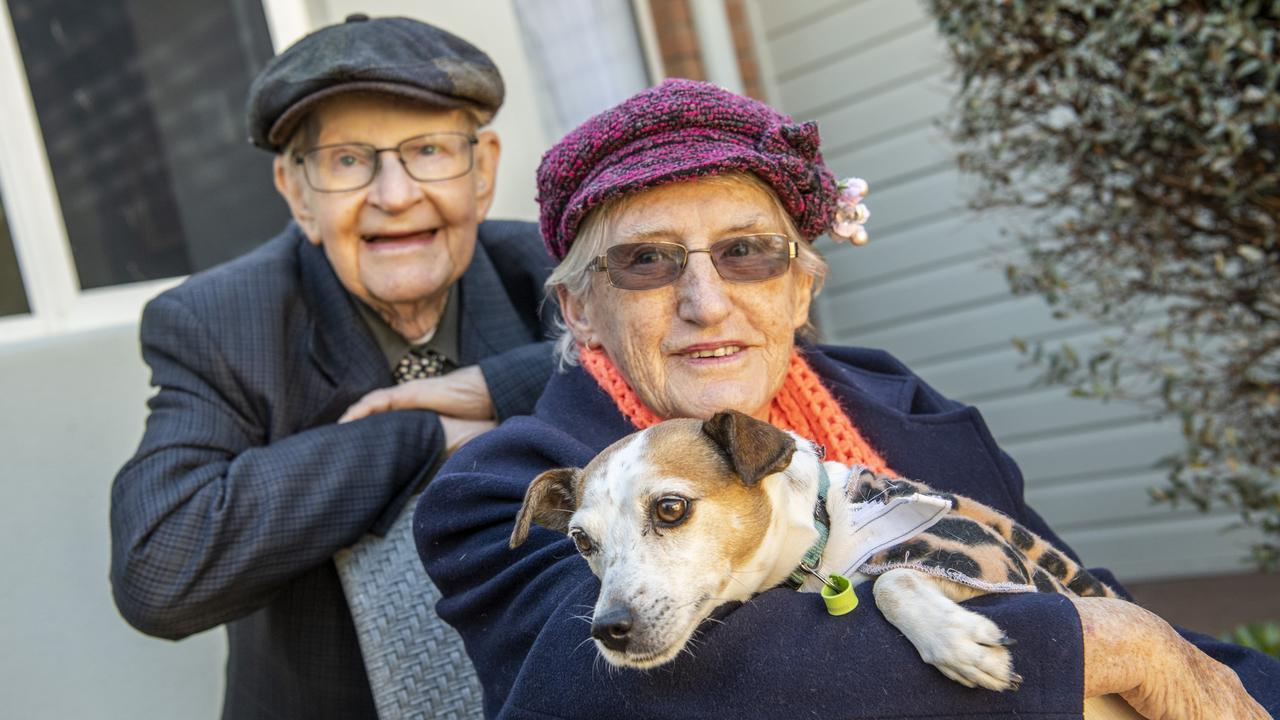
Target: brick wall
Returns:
[678, 42]
[743, 43]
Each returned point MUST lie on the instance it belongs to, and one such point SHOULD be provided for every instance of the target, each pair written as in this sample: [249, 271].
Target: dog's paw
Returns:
[964, 645]
[969, 649]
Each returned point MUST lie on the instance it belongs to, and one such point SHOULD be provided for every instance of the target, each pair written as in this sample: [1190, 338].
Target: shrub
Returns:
[1143, 137]
[1263, 637]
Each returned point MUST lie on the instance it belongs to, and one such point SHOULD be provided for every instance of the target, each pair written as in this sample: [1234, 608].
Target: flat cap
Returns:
[394, 55]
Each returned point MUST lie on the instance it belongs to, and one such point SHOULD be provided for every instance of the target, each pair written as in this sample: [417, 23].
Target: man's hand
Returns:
[462, 394]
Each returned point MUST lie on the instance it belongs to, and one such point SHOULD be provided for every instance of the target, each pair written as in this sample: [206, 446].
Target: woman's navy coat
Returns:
[524, 613]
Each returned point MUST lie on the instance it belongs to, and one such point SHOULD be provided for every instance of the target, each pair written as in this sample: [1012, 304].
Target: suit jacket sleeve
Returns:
[517, 377]
[213, 515]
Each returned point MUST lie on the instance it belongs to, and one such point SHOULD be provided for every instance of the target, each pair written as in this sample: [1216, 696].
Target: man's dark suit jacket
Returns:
[243, 487]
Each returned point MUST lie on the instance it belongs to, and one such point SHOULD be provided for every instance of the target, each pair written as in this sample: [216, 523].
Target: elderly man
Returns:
[246, 484]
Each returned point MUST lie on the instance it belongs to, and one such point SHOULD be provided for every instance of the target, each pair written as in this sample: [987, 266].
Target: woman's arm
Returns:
[1133, 653]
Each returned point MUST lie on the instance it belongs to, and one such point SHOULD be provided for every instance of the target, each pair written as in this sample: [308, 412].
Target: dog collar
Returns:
[822, 523]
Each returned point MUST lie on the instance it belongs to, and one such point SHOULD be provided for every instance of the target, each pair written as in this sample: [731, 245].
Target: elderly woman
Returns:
[683, 219]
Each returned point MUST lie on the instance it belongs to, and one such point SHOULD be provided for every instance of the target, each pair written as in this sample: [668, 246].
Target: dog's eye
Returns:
[583, 541]
[670, 510]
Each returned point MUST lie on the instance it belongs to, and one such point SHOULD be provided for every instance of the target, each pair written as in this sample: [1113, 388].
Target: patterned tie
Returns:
[417, 666]
[421, 363]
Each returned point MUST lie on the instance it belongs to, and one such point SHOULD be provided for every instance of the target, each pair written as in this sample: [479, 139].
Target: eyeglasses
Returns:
[649, 265]
[351, 166]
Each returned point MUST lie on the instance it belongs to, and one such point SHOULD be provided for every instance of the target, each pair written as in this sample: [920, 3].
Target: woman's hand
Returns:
[462, 394]
[1132, 652]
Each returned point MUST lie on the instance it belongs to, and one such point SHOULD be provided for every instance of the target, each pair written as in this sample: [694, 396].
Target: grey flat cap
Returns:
[398, 56]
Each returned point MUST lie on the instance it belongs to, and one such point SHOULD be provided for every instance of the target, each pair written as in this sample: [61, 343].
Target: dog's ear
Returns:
[754, 448]
[549, 501]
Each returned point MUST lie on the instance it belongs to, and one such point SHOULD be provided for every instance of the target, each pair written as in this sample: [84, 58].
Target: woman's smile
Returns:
[713, 353]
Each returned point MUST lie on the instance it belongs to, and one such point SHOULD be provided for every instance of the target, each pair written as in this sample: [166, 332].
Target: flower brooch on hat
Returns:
[851, 214]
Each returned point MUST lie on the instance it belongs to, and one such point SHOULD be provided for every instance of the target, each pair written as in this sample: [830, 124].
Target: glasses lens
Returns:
[438, 156]
[340, 167]
[644, 266]
[751, 258]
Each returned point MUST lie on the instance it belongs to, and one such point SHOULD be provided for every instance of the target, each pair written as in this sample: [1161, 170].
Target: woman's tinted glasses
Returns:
[649, 265]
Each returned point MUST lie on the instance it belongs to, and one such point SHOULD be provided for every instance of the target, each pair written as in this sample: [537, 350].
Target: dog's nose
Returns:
[613, 628]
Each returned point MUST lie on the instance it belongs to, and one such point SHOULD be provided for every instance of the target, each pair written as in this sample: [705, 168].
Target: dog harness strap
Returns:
[822, 522]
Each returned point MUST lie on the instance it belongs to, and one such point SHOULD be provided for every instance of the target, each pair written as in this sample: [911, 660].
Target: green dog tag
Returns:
[839, 596]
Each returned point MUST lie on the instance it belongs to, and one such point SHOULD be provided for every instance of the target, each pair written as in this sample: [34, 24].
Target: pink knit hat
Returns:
[682, 130]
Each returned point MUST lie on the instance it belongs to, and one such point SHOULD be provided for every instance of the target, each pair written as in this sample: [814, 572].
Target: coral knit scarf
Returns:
[803, 406]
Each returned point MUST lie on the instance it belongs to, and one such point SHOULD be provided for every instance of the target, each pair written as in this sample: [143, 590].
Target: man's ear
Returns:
[289, 183]
[755, 448]
[488, 151]
[574, 311]
[549, 501]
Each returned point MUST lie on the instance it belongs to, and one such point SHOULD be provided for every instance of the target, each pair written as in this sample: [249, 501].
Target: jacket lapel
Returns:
[488, 322]
[339, 345]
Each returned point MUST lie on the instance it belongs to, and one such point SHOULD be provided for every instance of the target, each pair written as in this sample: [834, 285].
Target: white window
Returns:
[13, 292]
[124, 163]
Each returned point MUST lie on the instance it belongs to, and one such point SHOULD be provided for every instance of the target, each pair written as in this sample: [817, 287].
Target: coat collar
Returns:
[920, 434]
[862, 376]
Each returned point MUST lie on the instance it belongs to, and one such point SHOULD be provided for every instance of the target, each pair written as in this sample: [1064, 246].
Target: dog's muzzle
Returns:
[613, 627]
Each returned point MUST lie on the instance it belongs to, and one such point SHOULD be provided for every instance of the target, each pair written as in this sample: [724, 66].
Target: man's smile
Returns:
[401, 237]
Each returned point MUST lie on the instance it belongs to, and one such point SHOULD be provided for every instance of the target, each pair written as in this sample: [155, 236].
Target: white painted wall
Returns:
[73, 409]
[930, 286]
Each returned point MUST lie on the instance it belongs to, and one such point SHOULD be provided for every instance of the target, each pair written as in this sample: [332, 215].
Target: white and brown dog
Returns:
[685, 516]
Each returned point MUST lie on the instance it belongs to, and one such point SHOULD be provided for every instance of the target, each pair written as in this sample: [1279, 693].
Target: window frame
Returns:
[57, 303]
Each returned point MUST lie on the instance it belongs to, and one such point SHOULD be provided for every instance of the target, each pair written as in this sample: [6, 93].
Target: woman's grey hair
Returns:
[573, 274]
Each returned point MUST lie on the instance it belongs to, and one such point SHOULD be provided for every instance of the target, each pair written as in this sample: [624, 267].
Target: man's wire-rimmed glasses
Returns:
[650, 265]
[351, 166]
